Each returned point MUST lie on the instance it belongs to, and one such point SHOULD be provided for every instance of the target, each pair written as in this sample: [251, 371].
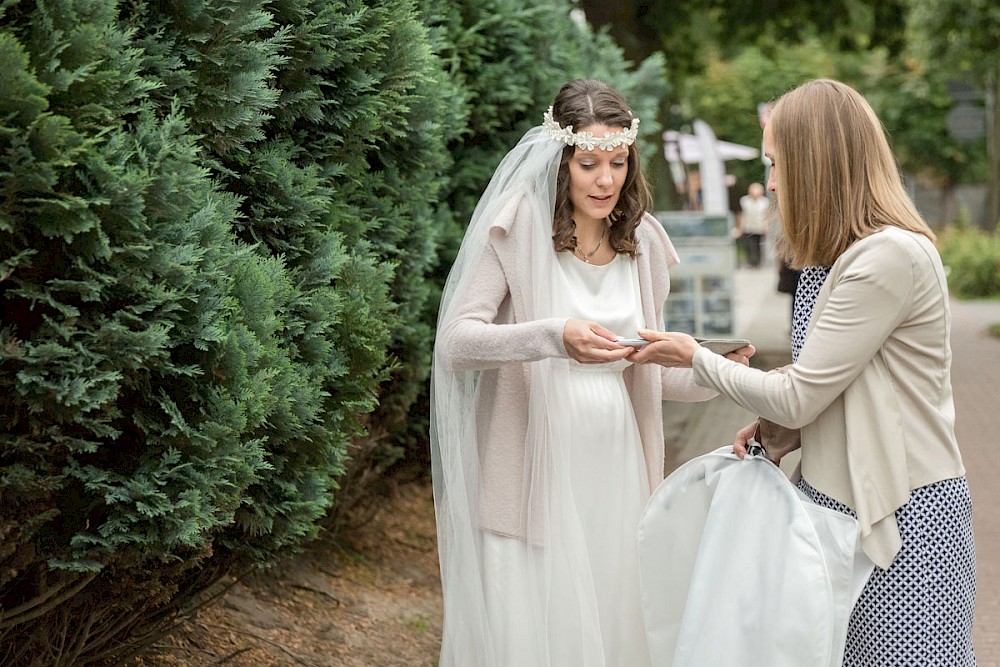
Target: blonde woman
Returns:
[871, 388]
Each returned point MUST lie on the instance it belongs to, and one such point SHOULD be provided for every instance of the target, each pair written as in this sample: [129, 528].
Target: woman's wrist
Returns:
[692, 350]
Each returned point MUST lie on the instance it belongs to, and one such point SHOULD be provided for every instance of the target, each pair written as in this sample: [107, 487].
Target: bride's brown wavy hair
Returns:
[582, 103]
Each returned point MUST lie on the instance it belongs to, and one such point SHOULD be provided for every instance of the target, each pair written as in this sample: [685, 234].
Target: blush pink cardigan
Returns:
[493, 333]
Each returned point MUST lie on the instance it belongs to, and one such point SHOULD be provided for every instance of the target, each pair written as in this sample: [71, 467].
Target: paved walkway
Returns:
[763, 316]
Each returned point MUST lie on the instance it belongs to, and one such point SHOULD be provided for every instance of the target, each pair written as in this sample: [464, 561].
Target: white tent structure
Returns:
[710, 154]
[687, 148]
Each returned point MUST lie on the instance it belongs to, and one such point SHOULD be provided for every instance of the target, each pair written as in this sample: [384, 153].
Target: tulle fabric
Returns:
[552, 580]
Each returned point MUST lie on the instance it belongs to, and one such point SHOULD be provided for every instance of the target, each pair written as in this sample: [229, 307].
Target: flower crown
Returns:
[586, 140]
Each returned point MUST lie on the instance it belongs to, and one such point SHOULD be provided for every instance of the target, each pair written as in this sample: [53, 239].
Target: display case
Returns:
[702, 285]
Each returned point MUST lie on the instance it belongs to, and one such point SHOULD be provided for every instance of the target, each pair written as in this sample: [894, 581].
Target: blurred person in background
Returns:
[752, 223]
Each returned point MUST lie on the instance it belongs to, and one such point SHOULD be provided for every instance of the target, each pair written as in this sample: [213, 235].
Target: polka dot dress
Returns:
[920, 610]
[810, 283]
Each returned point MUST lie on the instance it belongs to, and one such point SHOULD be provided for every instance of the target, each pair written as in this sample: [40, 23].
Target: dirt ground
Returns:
[371, 600]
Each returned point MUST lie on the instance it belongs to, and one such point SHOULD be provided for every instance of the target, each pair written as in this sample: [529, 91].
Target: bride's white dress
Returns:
[585, 609]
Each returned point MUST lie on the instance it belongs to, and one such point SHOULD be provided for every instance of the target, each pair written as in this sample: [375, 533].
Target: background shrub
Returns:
[972, 257]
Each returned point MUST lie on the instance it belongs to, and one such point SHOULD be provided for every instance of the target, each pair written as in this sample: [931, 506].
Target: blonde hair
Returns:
[837, 179]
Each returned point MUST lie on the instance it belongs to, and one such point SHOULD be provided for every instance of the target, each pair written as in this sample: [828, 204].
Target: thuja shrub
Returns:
[215, 62]
[387, 161]
[202, 279]
[508, 59]
[133, 369]
[331, 131]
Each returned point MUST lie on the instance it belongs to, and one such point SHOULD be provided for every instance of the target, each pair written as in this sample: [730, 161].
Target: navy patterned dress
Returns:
[918, 612]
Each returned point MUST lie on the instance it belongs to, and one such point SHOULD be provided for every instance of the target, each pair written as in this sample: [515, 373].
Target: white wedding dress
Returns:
[586, 611]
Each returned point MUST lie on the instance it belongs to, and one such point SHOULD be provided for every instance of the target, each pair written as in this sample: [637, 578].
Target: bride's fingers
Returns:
[600, 355]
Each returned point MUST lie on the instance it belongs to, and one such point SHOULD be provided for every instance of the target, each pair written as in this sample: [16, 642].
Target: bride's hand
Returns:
[590, 343]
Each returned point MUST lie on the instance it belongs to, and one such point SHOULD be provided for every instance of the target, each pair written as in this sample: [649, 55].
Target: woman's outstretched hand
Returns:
[590, 343]
[667, 348]
[676, 350]
[742, 355]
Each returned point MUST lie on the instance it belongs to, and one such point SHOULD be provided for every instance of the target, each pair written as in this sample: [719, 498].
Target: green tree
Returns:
[215, 225]
[727, 93]
[726, 58]
[694, 33]
[507, 59]
[960, 38]
[706, 41]
[336, 153]
[378, 140]
[913, 104]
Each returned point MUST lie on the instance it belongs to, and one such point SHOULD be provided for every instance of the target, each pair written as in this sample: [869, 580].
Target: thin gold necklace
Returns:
[586, 257]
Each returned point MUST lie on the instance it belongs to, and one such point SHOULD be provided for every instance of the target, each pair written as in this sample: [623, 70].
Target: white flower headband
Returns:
[586, 140]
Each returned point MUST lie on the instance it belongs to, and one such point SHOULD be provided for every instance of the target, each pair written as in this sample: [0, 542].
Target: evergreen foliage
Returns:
[224, 232]
[217, 62]
[339, 176]
[509, 58]
[129, 383]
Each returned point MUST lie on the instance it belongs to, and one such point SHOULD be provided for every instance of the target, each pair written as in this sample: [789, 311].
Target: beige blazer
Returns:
[871, 389]
[493, 333]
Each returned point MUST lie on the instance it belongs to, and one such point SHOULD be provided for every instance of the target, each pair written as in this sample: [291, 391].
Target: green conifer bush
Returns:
[338, 173]
[224, 231]
[218, 220]
[132, 372]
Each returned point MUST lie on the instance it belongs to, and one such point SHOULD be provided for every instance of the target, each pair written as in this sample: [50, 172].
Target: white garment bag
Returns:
[740, 569]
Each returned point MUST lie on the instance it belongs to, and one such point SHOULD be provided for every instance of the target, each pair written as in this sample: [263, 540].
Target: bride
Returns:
[546, 440]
